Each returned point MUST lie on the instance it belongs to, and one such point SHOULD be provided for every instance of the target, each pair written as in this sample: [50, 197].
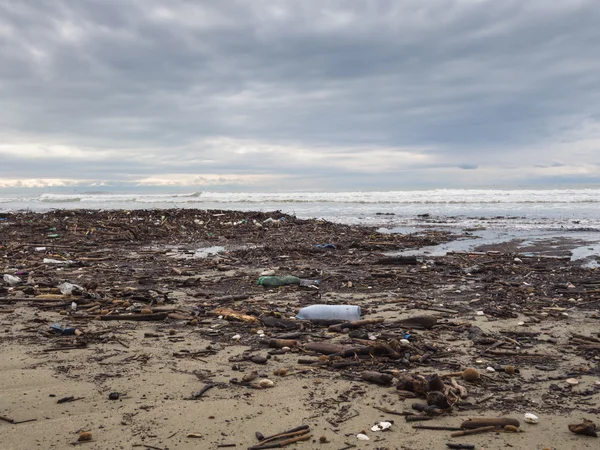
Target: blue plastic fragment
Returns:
[62, 330]
[326, 246]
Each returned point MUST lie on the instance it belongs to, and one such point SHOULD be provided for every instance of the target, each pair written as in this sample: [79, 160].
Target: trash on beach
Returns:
[381, 426]
[343, 313]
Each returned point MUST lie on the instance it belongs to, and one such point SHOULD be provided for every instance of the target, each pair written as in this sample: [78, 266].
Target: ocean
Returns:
[575, 209]
[532, 216]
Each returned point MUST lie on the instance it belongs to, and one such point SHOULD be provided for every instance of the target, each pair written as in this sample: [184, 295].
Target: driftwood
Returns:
[423, 322]
[326, 348]
[399, 260]
[492, 421]
[135, 317]
[377, 377]
[356, 324]
[474, 431]
[230, 314]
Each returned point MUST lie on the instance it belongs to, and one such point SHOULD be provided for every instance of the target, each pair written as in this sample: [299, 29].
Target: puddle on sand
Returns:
[581, 245]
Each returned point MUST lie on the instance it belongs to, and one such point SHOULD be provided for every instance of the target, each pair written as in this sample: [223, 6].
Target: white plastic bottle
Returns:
[343, 313]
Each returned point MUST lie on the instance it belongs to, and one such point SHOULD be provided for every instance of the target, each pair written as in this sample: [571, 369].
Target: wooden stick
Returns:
[201, 392]
[473, 431]
[304, 437]
[293, 430]
[395, 413]
[136, 317]
[280, 436]
[494, 421]
[356, 324]
[436, 427]
[416, 418]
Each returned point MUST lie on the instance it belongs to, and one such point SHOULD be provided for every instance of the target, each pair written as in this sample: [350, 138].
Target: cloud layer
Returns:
[300, 95]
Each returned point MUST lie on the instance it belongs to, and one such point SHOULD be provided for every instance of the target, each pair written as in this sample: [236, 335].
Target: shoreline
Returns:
[151, 258]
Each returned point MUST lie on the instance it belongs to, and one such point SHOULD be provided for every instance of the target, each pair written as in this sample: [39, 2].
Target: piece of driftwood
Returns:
[490, 421]
[135, 317]
[473, 431]
[352, 325]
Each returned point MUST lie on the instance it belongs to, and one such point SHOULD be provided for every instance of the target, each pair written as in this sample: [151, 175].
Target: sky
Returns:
[311, 95]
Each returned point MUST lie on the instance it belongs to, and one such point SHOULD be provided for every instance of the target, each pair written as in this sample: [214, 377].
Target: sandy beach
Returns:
[190, 279]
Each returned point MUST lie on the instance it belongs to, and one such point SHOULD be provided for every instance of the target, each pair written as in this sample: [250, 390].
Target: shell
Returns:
[572, 381]
[266, 383]
[362, 437]
[531, 418]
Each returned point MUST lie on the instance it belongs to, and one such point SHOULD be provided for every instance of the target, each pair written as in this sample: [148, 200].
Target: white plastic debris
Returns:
[66, 288]
[480, 313]
[267, 273]
[521, 324]
[381, 426]
[404, 342]
[11, 280]
[362, 437]
[73, 306]
[57, 261]
[236, 337]
[490, 369]
[531, 418]
[518, 260]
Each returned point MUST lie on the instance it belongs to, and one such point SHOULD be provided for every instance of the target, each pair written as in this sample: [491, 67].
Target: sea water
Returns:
[489, 215]
[553, 209]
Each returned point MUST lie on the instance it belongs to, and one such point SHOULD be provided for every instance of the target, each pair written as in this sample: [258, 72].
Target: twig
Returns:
[473, 431]
[436, 427]
[391, 411]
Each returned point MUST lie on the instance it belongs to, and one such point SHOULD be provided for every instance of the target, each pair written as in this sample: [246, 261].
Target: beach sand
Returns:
[529, 311]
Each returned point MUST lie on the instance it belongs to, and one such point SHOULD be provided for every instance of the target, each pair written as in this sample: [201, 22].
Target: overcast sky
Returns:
[300, 95]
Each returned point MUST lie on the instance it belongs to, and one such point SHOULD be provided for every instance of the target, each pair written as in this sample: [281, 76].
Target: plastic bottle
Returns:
[277, 281]
[343, 313]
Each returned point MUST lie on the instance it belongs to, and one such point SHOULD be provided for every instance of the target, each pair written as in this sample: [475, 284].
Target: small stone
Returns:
[85, 436]
[490, 369]
[480, 313]
[572, 381]
[362, 437]
[236, 337]
[113, 396]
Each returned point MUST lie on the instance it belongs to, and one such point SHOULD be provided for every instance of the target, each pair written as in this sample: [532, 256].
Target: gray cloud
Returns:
[369, 93]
